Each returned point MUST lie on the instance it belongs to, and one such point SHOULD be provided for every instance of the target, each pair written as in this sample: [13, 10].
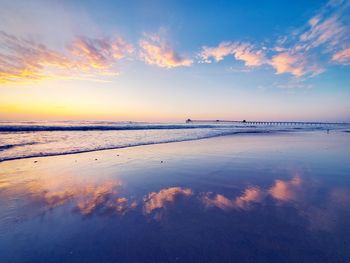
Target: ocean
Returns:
[47, 138]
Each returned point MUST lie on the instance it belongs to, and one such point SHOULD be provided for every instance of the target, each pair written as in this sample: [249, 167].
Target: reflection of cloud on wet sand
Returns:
[296, 192]
[164, 197]
[102, 198]
[92, 198]
[281, 190]
[249, 196]
[286, 190]
[327, 216]
[86, 199]
[340, 196]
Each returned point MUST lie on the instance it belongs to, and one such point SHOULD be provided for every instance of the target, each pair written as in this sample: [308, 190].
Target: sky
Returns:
[173, 60]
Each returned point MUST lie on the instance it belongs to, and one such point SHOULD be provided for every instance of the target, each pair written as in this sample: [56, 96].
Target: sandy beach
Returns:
[254, 197]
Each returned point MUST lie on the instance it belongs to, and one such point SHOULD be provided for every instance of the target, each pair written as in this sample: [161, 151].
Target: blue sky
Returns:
[171, 60]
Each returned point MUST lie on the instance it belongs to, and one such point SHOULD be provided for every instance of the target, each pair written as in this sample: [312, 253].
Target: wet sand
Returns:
[243, 198]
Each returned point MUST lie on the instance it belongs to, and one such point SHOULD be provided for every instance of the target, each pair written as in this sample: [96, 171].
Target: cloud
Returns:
[297, 64]
[23, 60]
[164, 197]
[323, 30]
[283, 60]
[342, 56]
[287, 63]
[241, 51]
[156, 51]
[99, 53]
[304, 53]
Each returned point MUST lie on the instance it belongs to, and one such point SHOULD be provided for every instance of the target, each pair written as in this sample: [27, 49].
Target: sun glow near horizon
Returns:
[91, 67]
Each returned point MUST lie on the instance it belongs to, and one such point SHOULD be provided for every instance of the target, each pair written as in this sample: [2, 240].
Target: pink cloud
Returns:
[156, 51]
[99, 53]
[23, 60]
[322, 30]
[241, 51]
[287, 63]
[218, 53]
[323, 34]
[342, 56]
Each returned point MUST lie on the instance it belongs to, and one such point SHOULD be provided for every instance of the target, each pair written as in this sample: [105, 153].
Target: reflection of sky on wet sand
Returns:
[104, 198]
[163, 198]
[230, 208]
[281, 190]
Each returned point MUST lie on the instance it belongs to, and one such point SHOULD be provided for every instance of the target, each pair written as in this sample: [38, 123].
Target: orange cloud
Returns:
[342, 56]
[163, 198]
[241, 51]
[23, 60]
[156, 51]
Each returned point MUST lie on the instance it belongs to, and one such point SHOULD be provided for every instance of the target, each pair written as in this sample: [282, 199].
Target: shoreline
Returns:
[146, 144]
[233, 134]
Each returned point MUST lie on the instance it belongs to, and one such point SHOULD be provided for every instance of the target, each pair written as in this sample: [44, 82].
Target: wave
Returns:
[9, 146]
[33, 128]
[41, 154]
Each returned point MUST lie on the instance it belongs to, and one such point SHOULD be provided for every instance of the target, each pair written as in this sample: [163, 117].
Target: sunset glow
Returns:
[82, 61]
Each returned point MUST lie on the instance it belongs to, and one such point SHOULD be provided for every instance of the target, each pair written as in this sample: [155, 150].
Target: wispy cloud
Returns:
[99, 53]
[342, 56]
[23, 60]
[156, 51]
[323, 29]
[306, 52]
[241, 51]
[297, 64]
